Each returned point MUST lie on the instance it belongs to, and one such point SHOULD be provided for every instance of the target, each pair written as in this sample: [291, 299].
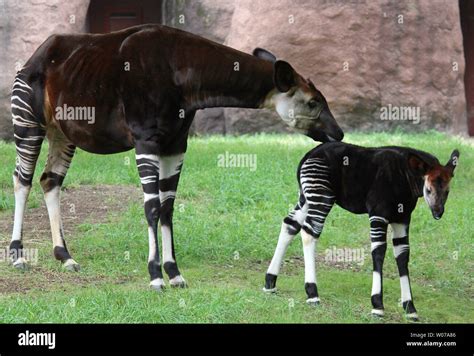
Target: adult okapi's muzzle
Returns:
[325, 128]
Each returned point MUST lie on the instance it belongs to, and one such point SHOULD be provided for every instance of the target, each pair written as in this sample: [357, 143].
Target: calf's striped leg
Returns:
[316, 185]
[60, 154]
[170, 170]
[29, 134]
[289, 228]
[378, 247]
[148, 170]
[401, 251]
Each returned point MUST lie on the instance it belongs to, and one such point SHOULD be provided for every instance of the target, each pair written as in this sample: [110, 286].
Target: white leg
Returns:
[309, 250]
[21, 196]
[170, 170]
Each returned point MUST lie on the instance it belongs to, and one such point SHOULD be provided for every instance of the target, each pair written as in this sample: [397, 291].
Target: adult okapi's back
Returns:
[143, 86]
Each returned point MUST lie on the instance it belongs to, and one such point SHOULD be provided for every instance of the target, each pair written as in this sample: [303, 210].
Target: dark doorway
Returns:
[112, 15]
[466, 8]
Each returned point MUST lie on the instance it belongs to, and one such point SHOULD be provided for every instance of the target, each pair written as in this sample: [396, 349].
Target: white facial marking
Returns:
[293, 109]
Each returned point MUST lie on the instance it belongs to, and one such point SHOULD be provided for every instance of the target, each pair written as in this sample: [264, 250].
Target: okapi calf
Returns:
[144, 85]
[383, 182]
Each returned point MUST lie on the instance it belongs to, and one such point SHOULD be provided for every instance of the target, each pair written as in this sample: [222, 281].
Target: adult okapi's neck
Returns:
[225, 77]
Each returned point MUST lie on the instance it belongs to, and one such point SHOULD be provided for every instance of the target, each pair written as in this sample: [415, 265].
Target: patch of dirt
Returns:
[83, 204]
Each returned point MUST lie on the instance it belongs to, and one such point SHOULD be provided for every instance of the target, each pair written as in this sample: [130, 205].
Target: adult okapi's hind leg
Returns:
[60, 154]
[29, 133]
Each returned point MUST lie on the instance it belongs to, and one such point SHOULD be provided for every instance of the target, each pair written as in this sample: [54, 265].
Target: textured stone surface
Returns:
[387, 62]
[24, 25]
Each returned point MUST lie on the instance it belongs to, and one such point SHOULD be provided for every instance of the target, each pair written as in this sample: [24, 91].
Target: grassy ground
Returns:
[227, 222]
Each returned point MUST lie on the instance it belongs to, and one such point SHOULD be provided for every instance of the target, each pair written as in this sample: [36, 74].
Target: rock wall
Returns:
[24, 25]
[363, 55]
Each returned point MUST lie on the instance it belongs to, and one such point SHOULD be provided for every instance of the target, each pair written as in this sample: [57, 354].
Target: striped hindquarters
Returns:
[28, 130]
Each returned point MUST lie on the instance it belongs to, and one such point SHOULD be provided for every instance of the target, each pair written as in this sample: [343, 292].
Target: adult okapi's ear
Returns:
[453, 160]
[283, 76]
[264, 54]
[418, 164]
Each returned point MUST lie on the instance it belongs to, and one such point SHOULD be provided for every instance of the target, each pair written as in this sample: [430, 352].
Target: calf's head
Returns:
[299, 103]
[436, 181]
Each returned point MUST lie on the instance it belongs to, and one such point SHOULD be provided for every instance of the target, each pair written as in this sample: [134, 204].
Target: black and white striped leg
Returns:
[289, 228]
[29, 134]
[60, 155]
[170, 170]
[401, 251]
[378, 247]
[316, 186]
[148, 170]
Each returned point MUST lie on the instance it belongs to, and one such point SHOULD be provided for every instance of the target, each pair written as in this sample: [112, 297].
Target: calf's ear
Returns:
[283, 76]
[453, 160]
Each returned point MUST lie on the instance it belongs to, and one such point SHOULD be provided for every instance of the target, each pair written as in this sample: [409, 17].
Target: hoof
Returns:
[178, 282]
[270, 290]
[379, 313]
[71, 265]
[20, 264]
[412, 317]
[157, 284]
[313, 301]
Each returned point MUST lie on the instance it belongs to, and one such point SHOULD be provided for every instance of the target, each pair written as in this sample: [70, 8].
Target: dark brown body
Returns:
[140, 88]
[146, 73]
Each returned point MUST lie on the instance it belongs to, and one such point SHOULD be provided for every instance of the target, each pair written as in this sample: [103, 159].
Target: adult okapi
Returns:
[145, 84]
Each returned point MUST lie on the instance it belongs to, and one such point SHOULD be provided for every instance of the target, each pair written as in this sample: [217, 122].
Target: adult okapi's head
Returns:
[299, 103]
[436, 180]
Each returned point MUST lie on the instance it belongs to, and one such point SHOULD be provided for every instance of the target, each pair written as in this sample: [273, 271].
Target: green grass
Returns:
[227, 222]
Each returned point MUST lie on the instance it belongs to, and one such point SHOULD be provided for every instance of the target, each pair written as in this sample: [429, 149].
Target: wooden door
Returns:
[112, 15]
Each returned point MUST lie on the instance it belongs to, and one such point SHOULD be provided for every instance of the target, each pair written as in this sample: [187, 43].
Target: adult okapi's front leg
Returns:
[378, 247]
[148, 169]
[170, 170]
[60, 155]
[401, 250]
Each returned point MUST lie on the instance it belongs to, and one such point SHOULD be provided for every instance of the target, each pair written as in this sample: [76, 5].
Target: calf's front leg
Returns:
[378, 247]
[401, 251]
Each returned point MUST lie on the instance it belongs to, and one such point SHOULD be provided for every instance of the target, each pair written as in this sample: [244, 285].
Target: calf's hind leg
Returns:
[60, 155]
